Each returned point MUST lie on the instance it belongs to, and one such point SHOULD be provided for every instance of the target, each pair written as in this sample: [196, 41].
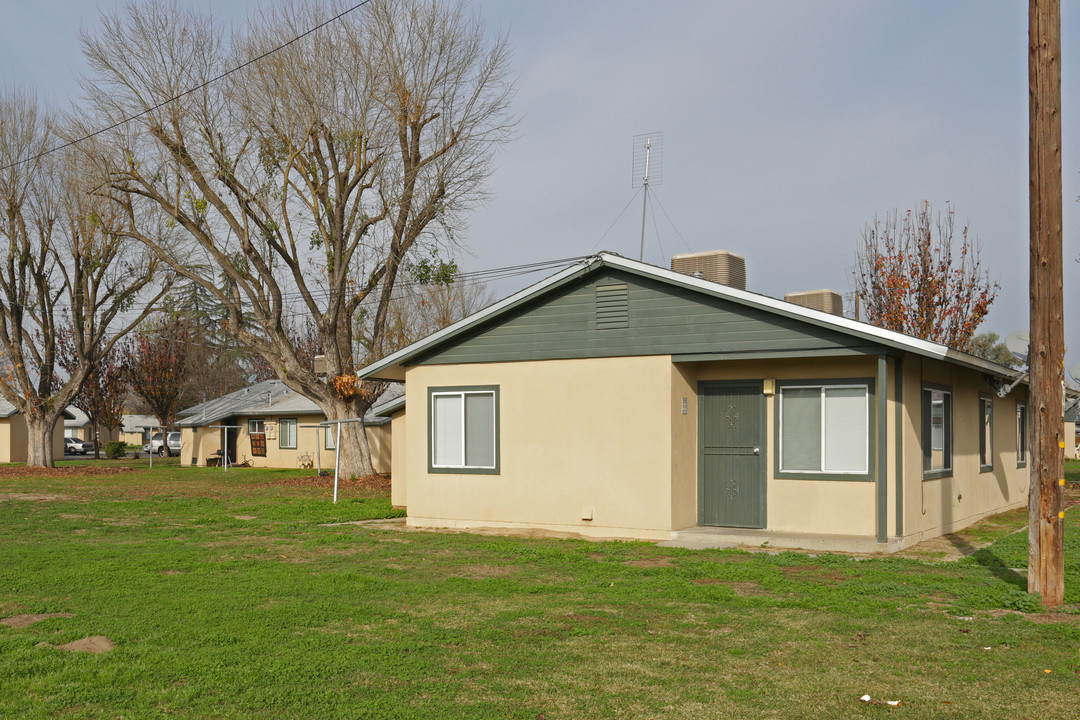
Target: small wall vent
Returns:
[612, 306]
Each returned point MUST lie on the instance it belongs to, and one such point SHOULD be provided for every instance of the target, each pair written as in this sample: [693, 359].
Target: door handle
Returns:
[757, 451]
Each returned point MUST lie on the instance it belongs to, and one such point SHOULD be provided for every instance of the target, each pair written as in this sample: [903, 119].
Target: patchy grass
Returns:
[227, 596]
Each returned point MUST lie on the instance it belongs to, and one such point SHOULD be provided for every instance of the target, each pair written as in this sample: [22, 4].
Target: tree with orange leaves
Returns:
[910, 280]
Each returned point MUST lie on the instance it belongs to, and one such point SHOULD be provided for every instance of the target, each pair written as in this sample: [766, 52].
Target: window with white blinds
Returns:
[464, 431]
[825, 429]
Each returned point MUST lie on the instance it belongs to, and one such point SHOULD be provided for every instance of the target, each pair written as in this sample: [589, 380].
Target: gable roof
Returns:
[78, 418]
[133, 423]
[392, 366]
[266, 398]
[8, 410]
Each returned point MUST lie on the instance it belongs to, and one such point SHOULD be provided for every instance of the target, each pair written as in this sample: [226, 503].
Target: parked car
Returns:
[172, 447]
[75, 446]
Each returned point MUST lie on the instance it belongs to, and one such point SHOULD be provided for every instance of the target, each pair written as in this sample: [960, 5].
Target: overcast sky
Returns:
[787, 126]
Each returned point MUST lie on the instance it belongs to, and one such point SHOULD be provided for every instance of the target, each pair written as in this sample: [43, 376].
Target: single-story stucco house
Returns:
[135, 429]
[271, 425]
[14, 437]
[621, 399]
[80, 426]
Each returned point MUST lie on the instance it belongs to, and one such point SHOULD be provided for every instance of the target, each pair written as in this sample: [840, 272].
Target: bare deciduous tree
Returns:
[420, 310]
[104, 389]
[910, 281]
[309, 177]
[62, 265]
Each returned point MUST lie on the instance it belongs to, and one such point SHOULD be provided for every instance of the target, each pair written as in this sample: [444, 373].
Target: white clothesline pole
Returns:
[337, 459]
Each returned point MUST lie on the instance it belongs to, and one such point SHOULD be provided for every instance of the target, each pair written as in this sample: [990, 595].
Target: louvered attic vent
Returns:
[612, 306]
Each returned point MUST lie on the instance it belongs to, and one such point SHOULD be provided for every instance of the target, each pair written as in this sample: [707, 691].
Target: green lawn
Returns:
[226, 598]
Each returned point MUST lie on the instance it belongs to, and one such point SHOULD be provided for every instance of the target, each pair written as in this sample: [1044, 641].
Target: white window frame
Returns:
[435, 393]
[261, 423]
[866, 425]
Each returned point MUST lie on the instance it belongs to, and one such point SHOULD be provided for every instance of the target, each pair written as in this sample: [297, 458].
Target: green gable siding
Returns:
[663, 319]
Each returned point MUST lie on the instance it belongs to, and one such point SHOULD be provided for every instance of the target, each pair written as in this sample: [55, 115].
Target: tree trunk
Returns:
[354, 454]
[39, 440]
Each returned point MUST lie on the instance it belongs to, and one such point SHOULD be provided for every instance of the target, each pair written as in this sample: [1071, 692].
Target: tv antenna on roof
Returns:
[648, 168]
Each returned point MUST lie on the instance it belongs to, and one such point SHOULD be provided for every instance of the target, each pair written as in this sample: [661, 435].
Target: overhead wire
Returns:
[187, 92]
[467, 279]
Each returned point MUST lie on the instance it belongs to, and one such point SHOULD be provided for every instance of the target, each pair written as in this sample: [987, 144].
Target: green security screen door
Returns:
[731, 455]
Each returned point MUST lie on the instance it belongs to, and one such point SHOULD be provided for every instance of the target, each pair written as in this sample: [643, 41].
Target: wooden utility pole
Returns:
[1046, 532]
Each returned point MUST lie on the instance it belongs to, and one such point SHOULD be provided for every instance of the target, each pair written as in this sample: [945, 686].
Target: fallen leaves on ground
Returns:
[16, 471]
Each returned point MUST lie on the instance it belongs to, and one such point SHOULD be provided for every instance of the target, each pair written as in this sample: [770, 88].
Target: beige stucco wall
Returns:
[6, 445]
[936, 506]
[14, 438]
[398, 475]
[197, 444]
[581, 436]
[577, 437]
[86, 432]
[837, 507]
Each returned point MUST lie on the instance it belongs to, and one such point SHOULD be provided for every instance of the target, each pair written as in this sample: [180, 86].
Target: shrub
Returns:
[115, 449]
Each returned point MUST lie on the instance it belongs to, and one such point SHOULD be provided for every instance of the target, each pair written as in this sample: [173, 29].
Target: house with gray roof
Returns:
[79, 425]
[621, 399]
[270, 425]
[14, 436]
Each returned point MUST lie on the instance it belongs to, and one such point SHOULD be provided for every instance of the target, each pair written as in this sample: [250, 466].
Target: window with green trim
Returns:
[825, 429]
[937, 439]
[287, 433]
[986, 434]
[464, 429]
[1021, 435]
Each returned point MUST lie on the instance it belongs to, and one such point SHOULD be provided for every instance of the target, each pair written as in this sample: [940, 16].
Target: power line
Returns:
[187, 92]
[468, 277]
[471, 278]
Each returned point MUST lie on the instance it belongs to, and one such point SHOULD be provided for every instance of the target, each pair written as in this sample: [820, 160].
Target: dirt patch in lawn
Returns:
[27, 497]
[1043, 618]
[95, 644]
[369, 482]
[748, 589]
[21, 621]
[650, 562]
[479, 572]
[814, 574]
